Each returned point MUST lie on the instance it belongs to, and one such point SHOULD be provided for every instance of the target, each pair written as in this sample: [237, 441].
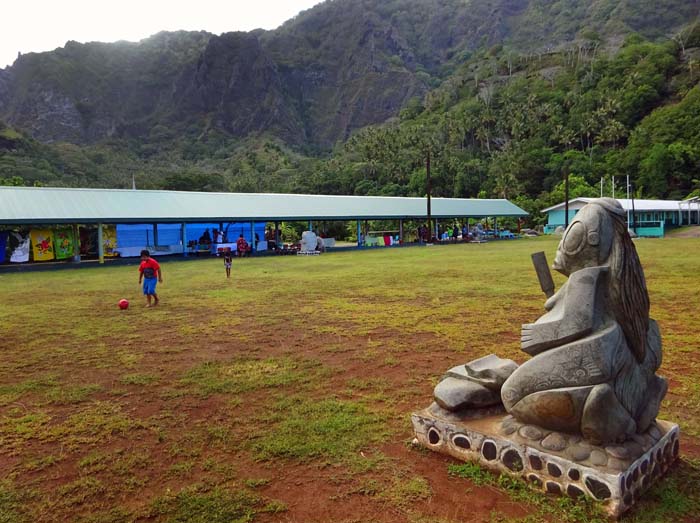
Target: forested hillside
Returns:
[352, 96]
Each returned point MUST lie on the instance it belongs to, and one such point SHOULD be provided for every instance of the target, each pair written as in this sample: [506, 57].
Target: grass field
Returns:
[285, 393]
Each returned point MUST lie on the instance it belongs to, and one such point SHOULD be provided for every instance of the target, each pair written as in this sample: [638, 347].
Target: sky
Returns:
[43, 25]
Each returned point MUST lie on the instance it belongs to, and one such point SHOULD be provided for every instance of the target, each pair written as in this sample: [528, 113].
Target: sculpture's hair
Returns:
[627, 286]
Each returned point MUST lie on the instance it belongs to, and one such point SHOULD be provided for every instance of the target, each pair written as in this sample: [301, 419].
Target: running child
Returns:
[227, 261]
[150, 273]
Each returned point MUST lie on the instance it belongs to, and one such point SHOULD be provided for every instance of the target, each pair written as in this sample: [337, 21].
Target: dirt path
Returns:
[686, 232]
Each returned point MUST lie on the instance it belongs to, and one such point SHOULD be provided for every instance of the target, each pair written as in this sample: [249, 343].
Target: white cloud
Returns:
[44, 25]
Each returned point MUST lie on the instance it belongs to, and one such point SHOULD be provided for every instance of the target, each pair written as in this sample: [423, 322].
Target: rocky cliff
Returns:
[335, 68]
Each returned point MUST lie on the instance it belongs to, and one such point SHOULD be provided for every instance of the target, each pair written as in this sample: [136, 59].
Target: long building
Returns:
[650, 218]
[180, 216]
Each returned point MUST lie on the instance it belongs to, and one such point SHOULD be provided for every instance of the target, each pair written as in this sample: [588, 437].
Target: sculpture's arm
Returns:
[574, 320]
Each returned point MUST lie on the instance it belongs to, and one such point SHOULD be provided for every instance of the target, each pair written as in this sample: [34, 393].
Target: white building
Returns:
[645, 217]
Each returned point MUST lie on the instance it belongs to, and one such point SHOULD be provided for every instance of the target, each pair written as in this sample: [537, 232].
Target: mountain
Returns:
[351, 96]
[338, 67]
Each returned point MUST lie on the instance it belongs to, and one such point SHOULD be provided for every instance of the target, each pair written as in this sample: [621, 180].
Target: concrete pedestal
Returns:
[557, 463]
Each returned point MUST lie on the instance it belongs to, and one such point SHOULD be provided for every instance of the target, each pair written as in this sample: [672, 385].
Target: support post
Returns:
[429, 188]
[359, 234]
[401, 232]
[76, 243]
[253, 247]
[183, 238]
[566, 198]
[277, 234]
[155, 235]
[100, 244]
[628, 197]
[634, 218]
[613, 186]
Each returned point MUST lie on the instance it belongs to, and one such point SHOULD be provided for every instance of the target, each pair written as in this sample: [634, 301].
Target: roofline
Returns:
[233, 219]
[14, 188]
[579, 199]
[695, 199]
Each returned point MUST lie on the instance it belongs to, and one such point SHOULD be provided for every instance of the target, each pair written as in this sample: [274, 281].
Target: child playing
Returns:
[150, 273]
[227, 261]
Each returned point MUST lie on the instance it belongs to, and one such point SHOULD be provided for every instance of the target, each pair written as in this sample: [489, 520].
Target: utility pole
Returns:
[634, 219]
[628, 199]
[428, 190]
[613, 186]
[566, 198]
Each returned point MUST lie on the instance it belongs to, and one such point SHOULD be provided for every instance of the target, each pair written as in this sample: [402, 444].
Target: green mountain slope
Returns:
[348, 97]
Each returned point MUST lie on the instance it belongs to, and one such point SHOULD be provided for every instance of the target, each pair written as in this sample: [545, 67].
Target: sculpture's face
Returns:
[586, 242]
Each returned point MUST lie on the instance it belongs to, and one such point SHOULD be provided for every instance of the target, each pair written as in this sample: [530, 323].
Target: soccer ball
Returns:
[123, 304]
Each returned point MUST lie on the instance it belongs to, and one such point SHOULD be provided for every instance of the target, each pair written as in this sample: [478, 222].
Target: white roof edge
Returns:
[640, 204]
[151, 191]
[562, 204]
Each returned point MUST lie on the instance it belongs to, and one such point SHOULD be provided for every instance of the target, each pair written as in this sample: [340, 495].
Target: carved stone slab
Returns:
[555, 462]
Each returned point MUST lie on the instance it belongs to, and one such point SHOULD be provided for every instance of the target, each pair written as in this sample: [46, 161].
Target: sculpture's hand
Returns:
[534, 339]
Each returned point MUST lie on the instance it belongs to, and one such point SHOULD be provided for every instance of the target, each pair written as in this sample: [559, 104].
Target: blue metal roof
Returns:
[51, 205]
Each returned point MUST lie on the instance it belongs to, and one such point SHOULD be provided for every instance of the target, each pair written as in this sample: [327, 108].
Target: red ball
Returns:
[123, 304]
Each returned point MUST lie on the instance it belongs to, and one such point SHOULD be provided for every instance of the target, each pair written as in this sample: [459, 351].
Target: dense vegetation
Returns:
[507, 114]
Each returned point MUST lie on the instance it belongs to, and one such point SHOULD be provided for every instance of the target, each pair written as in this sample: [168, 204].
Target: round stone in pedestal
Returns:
[553, 487]
[489, 450]
[531, 432]
[536, 463]
[555, 442]
[511, 458]
[618, 452]
[433, 436]
[597, 488]
[578, 453]
[554, 470]
[574, 491]
[599, 458]
[461, 441]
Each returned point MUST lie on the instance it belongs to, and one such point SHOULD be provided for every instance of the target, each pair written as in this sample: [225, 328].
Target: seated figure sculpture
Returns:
[595, 351]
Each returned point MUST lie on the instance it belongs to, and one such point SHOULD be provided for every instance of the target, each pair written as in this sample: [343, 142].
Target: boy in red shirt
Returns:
[150, 273]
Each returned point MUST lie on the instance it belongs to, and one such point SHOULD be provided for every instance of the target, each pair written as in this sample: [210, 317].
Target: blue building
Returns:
[650, 218]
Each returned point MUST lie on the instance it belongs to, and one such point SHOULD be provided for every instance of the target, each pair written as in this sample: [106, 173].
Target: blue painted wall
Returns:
[649, 224]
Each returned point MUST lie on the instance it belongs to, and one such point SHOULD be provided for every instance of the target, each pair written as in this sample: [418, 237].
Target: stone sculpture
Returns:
[579, 416]
[595, 351]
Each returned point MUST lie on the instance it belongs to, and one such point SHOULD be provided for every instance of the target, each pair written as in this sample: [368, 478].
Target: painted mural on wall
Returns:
[64, 243]
[109, 240]
[42, 244]
[21, 253]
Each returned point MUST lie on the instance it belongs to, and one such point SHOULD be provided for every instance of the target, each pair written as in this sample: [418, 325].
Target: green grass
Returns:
[330, 430]
[294, 365]
[246, 375]
[563, 508]
[11, 504]
[195, 505]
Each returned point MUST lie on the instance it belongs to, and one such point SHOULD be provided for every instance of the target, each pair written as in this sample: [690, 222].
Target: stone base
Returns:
[555, 462]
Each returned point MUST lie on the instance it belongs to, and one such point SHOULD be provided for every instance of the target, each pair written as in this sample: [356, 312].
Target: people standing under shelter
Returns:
[227, 261]
[205, 238]
[241, 246]
[150, 274]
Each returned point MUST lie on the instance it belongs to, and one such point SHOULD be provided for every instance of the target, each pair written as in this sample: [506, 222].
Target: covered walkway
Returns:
[61, 220]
